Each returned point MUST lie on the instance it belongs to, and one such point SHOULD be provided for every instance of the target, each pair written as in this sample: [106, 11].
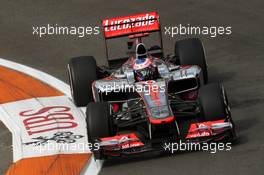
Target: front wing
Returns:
[133, 143]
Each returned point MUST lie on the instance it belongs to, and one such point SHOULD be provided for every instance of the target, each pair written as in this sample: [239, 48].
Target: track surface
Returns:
[236, 60]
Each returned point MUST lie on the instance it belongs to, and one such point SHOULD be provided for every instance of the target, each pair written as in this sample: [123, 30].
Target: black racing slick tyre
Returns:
[82, 72]
[191, 52]
[98, 124]
[214, 106]
[212, 102]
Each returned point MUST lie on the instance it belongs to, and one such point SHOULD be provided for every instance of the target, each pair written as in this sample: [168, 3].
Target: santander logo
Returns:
[129, 22]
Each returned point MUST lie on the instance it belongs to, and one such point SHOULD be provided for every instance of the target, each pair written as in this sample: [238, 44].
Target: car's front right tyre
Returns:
[82, 72]
[98, 124]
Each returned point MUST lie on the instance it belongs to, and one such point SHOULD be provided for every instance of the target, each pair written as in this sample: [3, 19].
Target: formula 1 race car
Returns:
[139, 102]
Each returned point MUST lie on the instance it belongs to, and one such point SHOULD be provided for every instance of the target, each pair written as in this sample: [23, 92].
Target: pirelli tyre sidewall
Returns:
[98, 124]
[82, 73]
[191, 52]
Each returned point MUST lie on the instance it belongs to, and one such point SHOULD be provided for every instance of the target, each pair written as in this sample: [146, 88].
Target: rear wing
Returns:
[127, 25]
[133, 26]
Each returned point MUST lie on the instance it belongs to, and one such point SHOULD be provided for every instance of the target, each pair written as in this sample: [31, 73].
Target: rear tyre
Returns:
[191, 52]
[98, 124]
[214, 105]
[82, 73]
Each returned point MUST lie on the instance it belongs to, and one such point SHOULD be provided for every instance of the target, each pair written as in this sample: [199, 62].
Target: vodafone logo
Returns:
[119, 24]
[130, 145]
[202, 134]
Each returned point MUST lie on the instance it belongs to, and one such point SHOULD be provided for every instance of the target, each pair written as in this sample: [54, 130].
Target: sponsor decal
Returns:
[154, 95]
[199, 134]
[58, 137]
[203, 129]
[125, 25]
[47, 119]
[28, 104]
[122, 141]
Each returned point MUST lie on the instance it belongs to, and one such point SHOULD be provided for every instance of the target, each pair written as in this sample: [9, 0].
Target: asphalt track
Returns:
[236, 60]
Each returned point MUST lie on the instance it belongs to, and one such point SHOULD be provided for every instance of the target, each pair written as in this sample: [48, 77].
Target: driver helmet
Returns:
[143, 68]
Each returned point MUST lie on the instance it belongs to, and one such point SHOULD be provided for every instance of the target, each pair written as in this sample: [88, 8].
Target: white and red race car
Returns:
[139, 102]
